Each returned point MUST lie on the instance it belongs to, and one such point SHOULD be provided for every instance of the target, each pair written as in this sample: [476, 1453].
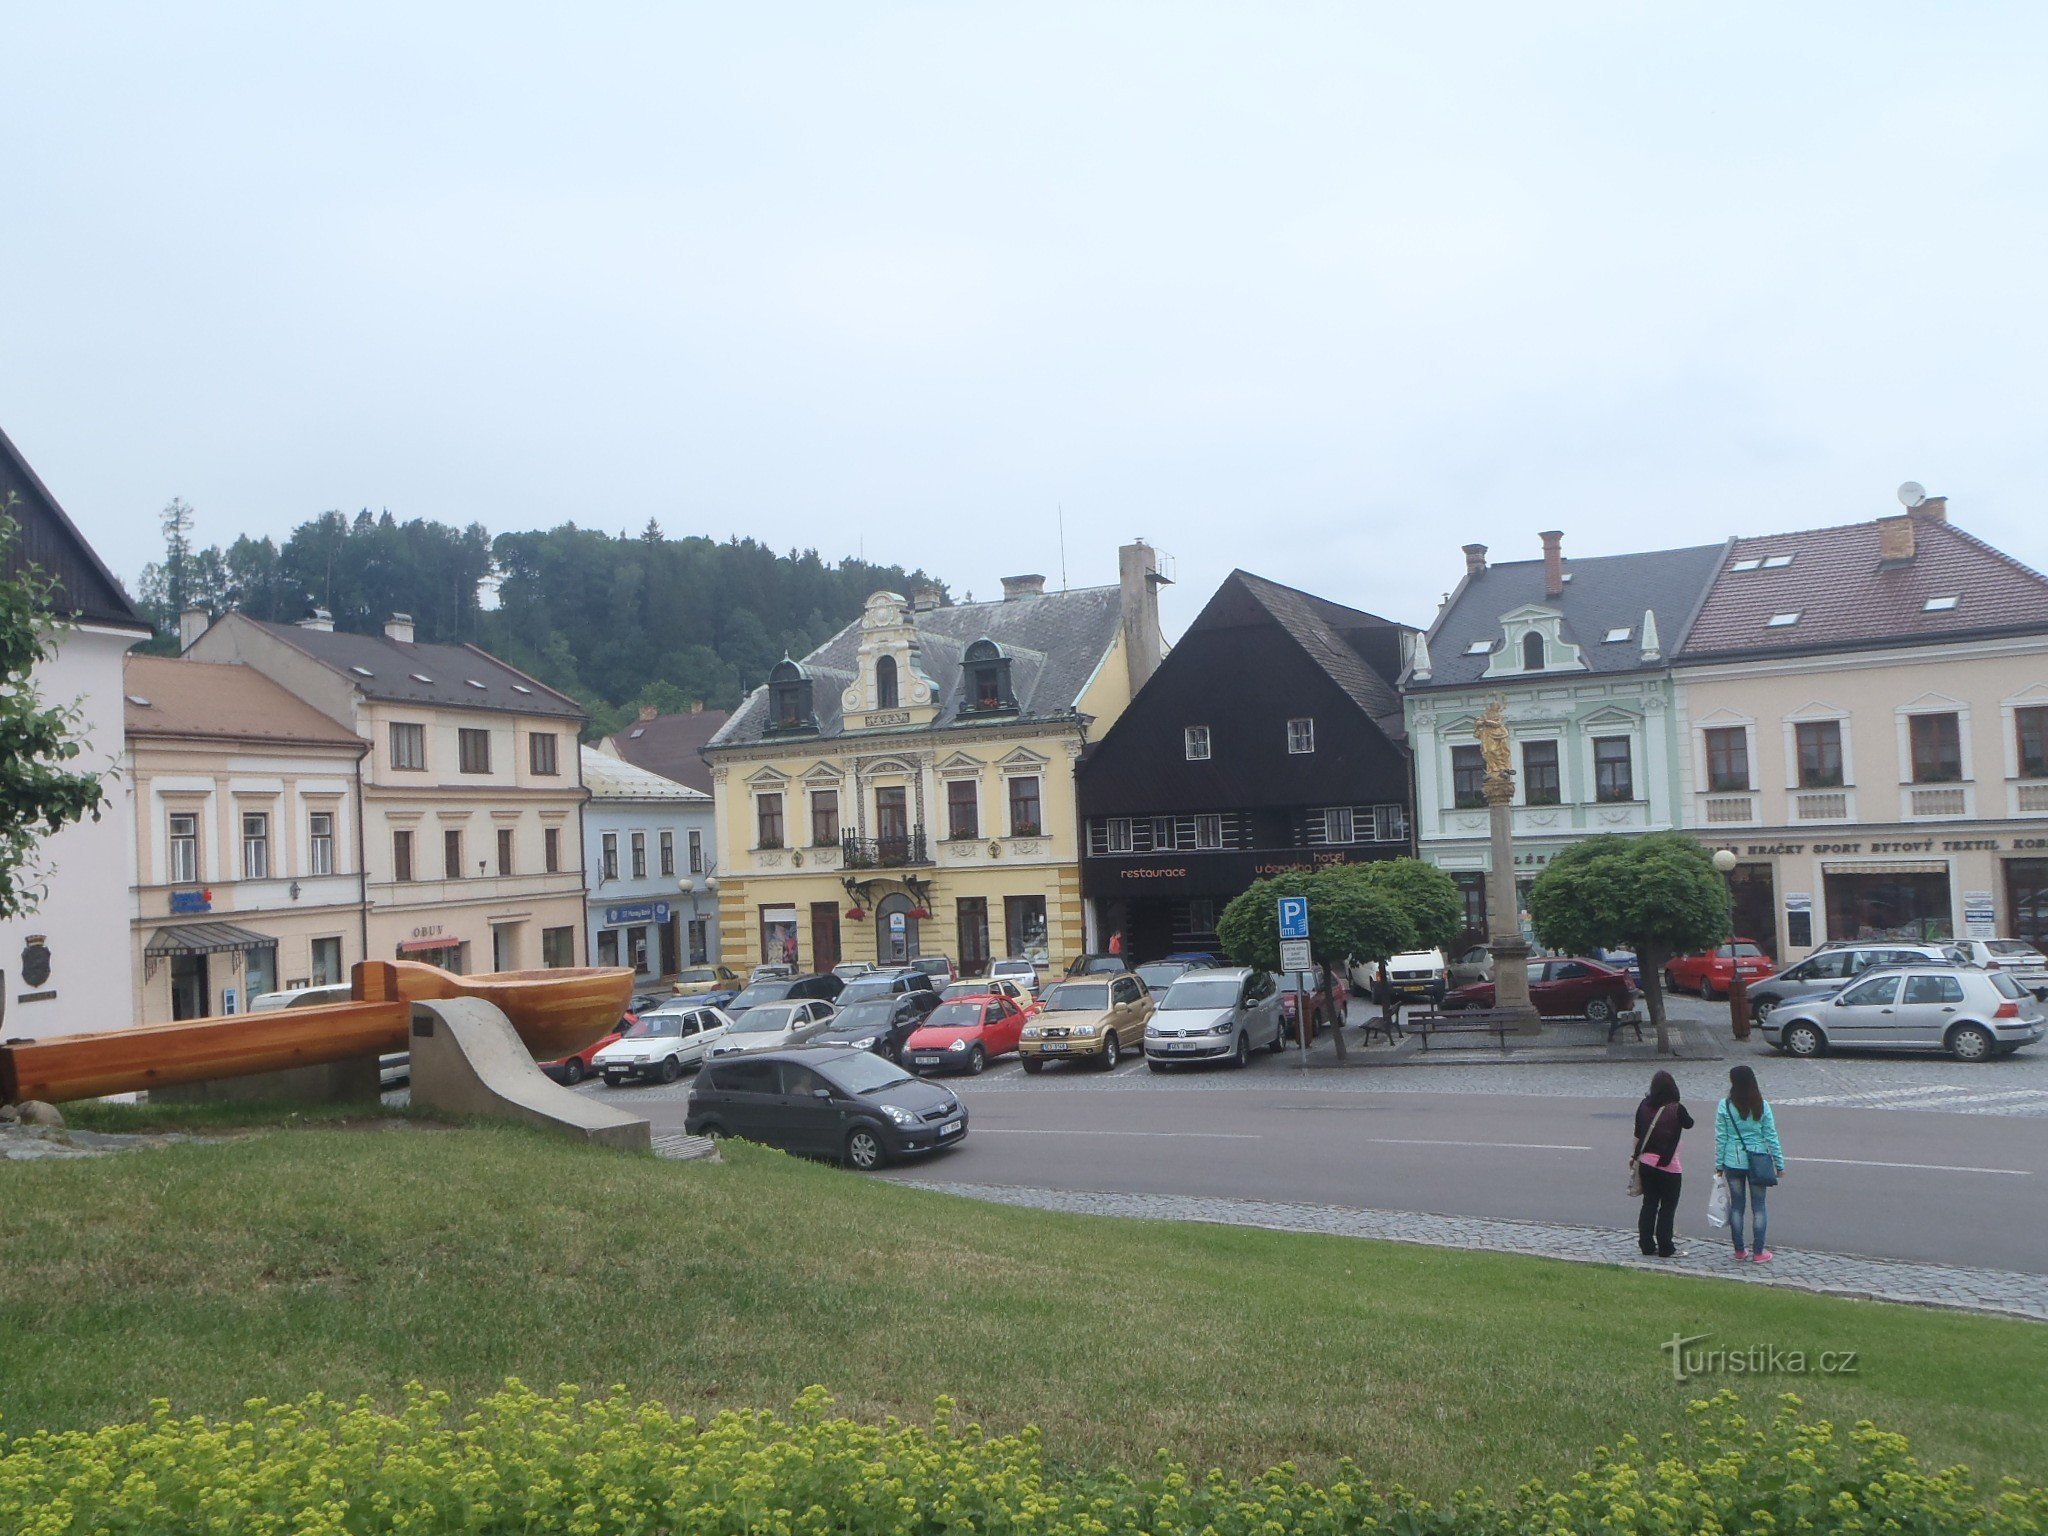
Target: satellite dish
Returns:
[1912, 493]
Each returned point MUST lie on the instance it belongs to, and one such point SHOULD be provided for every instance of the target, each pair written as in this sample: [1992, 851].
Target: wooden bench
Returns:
[1467, 1021]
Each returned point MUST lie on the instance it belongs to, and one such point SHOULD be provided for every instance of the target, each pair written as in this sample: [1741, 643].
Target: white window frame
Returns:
[1934, 704]
[1206, 824]
[319, 845]
[255, 845]
[1301, 735]
[1196, 743]
[415, 733]
[182, 872]
[1336, 817]
[1117, 834]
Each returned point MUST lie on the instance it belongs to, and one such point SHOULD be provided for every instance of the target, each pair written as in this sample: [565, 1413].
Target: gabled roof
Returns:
[1846, 596]
[670, 745]
[1324, 630]
[1604, 593]
[447, 676]
[1055, 642]
[170, 696]
[50, 541]
[611, 778]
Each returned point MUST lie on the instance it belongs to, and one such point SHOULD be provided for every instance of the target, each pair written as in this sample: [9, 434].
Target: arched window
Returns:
[1532, 652]
[988, 679]
[885, 683]
[789, 698]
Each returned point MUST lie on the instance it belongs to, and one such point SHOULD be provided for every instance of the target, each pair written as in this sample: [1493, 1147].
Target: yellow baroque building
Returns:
[908, 788]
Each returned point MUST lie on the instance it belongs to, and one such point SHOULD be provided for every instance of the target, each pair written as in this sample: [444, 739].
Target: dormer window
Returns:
[885, 682]
[789, 699]
[987, 672]
[1532, 652]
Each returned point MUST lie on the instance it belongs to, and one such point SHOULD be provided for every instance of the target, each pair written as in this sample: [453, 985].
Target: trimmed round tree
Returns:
[1349, 918]
[1428, 895]
[1658, 894]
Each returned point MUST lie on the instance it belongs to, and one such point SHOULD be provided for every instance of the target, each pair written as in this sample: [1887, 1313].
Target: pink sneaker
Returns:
[1763, 1255]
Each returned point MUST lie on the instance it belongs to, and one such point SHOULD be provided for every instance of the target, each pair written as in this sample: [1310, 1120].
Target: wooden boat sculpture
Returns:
[555, 1012]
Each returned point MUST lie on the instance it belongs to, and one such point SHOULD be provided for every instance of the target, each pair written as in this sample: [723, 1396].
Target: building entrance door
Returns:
[1754, 894]
[825, 935]
[973, 923]
[190, 993]
[895, 931]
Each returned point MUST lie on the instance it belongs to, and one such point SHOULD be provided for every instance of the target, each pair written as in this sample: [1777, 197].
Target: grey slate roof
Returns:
[394, 672]
[1312, 622]
[1605, 592]
[1054, 641]
[670, 745]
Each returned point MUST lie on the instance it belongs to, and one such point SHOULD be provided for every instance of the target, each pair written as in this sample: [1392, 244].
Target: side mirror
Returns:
[822, 1093]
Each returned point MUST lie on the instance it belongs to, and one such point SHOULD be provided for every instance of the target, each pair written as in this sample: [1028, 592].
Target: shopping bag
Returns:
[1717, 1202]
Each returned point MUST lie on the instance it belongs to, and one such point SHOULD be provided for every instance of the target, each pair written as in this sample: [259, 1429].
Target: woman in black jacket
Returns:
[1660, 1120]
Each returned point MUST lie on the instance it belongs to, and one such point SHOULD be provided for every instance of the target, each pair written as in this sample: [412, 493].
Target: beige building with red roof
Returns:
[248, 817]
[1863, 713]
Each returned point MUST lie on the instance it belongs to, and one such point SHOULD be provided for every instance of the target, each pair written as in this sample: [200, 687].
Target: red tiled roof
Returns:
[1845, 596]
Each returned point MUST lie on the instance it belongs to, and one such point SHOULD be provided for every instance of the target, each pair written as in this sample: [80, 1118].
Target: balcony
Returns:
[1723, 809]
[1820, 805]
[899, 851]
[1930, 803]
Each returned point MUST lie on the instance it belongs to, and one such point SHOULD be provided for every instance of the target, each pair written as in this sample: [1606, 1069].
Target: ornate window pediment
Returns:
[1534, 641]
[767, 778]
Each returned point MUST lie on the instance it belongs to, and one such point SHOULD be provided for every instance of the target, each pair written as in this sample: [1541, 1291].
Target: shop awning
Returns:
[1888, 867]
[421, 946]
[204, 939]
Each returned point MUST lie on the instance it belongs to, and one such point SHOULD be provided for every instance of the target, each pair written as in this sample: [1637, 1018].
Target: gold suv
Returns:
[1096, 1018]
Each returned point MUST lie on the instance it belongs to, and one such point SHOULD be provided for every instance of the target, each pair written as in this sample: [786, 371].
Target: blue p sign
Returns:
[1293, 917]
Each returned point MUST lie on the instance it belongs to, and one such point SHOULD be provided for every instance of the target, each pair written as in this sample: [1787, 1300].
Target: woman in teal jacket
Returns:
[1743, 1126]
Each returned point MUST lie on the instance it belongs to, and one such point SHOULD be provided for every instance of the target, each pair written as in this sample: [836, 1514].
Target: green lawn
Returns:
[354, 1259]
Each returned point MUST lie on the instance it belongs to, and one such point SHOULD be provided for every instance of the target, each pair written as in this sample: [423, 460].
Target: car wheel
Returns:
[1600, 1009]
[1112, 1048]
[1033, 1064]
[1279, 1042]
[1709, 991]
[1671, 983]
[1803, 1040]
[1243, 1058]
[977, 1061]
[864, 1150]
[1968, 1042]
[572, 1072]
[711, 1130]
[671, 1070]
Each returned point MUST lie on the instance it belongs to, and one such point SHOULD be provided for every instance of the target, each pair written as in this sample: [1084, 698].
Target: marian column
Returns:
[1503, 911]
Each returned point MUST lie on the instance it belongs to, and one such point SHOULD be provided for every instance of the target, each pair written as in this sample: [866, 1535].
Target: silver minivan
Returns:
[1220, 1015]
[1973, 1015]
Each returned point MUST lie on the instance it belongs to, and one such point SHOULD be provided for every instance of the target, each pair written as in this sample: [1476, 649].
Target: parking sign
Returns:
[1293, 917]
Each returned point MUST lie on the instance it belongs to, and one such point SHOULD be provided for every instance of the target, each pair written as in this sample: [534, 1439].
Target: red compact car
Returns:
[964, 1035]
[1710, 974]
[1565, 988]
[573, 1069]
[1340, 999]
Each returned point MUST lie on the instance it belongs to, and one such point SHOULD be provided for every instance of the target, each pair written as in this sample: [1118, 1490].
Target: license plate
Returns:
[1181, 1045]
[926, 1061]
[1055, 1045]
[950, 1128]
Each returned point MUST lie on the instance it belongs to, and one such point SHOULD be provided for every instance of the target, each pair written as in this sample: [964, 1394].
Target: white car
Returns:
[667, 1042]
[1418, 977]
[992, 986]
[848, 970]
[2027, 965]
[1972, 1015]
[1023, 972]
[769, 1026]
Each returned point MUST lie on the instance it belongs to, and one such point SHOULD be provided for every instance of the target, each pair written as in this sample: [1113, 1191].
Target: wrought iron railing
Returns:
[888, 852]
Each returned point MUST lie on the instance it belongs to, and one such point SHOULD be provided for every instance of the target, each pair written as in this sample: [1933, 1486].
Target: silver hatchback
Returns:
[1215, 1016]
[1972, 1015]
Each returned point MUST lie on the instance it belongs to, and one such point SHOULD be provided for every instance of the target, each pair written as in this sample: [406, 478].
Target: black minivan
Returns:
[850, 1105]
[784, 989]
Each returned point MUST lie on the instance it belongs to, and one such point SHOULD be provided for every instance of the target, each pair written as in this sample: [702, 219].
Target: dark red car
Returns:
[964, 1035]
[1565, 988]
[573, 1069]
[1710, 974]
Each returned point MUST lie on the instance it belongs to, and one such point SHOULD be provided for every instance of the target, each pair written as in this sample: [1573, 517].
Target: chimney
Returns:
[1015, 587]
[1933, 509]
[648, 712]
[191, 625]
[1475, 559]
[399, 627]
[696, 706]
[1138, 582]
[925, 599]
[1553, 563]
[1895, 539]
[319, 619]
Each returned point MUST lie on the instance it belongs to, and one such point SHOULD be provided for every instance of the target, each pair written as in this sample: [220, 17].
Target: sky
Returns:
[1322, 291]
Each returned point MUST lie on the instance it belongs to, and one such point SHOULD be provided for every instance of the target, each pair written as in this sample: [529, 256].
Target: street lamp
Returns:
[1724, 860]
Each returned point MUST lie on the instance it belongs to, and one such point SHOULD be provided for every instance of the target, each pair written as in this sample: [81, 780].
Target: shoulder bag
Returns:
[1763, 1168]
[1635, 1168]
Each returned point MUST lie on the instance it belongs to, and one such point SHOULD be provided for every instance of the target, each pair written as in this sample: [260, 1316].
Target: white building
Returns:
[647, 855]
[63, 966]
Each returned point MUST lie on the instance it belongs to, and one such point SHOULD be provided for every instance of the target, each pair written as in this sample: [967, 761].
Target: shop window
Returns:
[1727, 758]
[540, 753]
[551, 849]
[2026, 900]
[473, 750]
[184, 848]
[320, 843]
[1539, 773]
[1820, 753]
[778, 936]
[1468, 777]
[326, 970]
[401, 856]
[1024, 813]
[1613, 769]
[451, 853]
[1472, 892]
[409, 746]
[2031, 726]
[558, 948]
[608, 947]
[1532, 652]
[1911, 907]
[1024, 928]
[1937, 748]
[824, 818]
[963, 809]
[768, 821]
[885, 682]
[608, 855]
[255, 845]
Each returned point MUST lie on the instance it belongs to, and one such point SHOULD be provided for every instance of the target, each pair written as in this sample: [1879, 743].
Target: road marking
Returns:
[1861, 1162]
[1012, 1130]
[1512, 1146]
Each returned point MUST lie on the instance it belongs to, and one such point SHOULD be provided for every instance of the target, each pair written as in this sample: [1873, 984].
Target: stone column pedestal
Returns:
[1503, 915]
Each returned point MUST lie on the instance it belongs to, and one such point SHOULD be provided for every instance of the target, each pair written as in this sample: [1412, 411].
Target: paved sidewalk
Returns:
[2003, 1292]
[1561, 1041]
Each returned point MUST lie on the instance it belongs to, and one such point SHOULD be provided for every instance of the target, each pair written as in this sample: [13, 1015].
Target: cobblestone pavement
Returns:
[1972, 1290]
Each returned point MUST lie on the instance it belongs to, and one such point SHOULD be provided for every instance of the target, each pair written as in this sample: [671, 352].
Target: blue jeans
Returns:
[1741, 1191]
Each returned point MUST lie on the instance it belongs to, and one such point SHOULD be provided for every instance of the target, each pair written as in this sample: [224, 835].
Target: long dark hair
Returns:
[1663, 1090]
[1744, 1094]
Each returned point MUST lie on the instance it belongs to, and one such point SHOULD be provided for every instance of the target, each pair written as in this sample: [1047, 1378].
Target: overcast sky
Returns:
[1320, 290]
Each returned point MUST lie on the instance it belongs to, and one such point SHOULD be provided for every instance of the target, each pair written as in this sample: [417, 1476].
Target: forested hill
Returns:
[616, 621]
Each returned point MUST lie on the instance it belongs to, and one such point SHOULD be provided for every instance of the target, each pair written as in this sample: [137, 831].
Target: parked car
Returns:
[1828, 969]
[838, 1103]
[891, 984]
[1215, 1015]
[1712, 973]
[939, 967]
[573, 1068]
[770, 1026]
[784, 989]
[965, 1036]
[663, 1044]
[1625, 961]
[1319, 1018]
[1973, 1015]
[699, 979]
[1024, 972]
[1420, 976]
[1096, 965]
[993, 986]
[394, 1068]
[847, 970]
[1158, 975]
[1569, 986]
[770, 972]
[2025, 961]
[1474, 964]
[878, 1024]
[1096, 1018]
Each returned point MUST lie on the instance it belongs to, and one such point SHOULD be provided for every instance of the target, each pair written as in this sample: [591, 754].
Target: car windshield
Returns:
[961, 989]
[875, 1013]
[765, 1020]
[1012, 968]
[866, 1073]
[656, 1025]
[759, 993]
[955, 1016]
[1161, 975]
[1078, 997]
[865, 989]
[1201, 992]
[2012, 947]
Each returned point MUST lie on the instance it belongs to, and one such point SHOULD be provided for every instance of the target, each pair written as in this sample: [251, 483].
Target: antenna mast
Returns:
[1063, 546]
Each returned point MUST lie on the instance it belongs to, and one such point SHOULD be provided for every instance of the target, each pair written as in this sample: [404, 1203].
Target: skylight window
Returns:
[1478, 647]
[473, 683]
[516, 688]
[139, 701]
[421, 677]
[362, 672]
[1745, 565]
[637, 732]
[1781, 621]
[1620, 632]
[1940, 604]
[1776, 562]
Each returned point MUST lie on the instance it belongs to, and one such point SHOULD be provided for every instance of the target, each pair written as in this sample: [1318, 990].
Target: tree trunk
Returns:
[1330, 1012]
[1652, 963]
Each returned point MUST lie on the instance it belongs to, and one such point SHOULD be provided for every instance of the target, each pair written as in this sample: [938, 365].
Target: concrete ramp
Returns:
[468, 1060]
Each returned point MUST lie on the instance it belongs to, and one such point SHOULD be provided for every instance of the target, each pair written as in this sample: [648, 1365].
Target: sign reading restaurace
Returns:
[1293, 917]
